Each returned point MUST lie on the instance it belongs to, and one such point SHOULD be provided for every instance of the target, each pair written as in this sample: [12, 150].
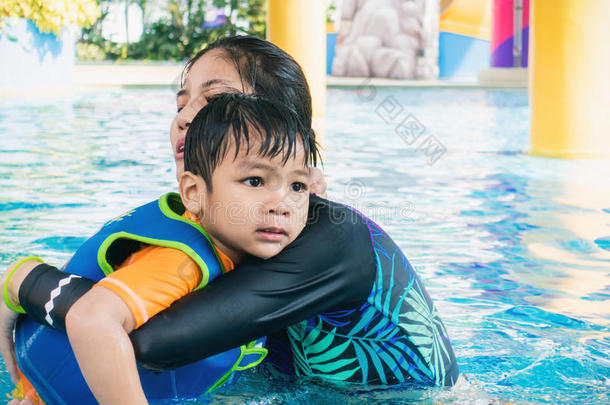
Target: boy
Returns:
[245, 182]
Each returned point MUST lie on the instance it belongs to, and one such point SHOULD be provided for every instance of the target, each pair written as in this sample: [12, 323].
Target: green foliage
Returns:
[180, 32]
[331, 11]
[86, 51]
[50, 15]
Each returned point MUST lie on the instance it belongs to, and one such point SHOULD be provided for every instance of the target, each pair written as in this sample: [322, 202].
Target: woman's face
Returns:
[212, 74]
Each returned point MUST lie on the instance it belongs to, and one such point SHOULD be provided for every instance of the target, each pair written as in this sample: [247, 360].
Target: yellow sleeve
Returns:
[151, 279]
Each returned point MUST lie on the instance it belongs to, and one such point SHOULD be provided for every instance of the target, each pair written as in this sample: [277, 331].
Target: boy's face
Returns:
[257, 205]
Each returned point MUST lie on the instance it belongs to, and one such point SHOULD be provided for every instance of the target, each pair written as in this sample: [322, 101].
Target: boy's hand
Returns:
[317, 183]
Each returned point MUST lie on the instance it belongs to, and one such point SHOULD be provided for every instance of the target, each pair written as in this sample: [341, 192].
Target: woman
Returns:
[343, 297]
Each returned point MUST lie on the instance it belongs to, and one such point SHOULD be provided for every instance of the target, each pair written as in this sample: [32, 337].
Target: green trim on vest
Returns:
[166, 209]
[245, 350]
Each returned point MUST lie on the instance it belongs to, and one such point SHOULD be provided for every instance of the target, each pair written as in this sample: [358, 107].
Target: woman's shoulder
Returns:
[327, 212]
[334, 225]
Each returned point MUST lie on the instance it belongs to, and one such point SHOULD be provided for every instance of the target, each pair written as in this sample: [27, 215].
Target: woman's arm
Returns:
[329, 265]
[251, 302]
[47, 294]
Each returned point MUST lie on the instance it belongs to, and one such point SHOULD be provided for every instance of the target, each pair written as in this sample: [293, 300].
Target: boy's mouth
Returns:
[179, 152]
[272, 234]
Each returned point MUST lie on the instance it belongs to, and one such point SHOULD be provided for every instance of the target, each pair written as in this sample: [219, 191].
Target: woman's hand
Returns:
[317, 183]
[8, 317]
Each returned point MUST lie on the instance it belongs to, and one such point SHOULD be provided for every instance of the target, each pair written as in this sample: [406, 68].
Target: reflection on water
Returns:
[513, 248]
[582, 286]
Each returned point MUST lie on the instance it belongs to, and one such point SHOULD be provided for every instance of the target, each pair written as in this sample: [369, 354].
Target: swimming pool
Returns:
[514, 249]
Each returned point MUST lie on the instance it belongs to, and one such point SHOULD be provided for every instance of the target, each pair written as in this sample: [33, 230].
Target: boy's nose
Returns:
[280, 209]
[277, 204]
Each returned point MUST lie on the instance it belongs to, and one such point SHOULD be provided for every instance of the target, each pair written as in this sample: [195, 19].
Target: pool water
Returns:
[514, 249]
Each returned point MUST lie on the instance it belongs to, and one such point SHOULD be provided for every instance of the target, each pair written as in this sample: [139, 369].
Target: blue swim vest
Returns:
[45, 356]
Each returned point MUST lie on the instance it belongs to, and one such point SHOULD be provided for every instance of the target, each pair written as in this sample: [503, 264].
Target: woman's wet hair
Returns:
[267, 70]
[260, 125]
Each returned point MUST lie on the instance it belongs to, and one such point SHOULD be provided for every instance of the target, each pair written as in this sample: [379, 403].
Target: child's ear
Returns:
[193, 192]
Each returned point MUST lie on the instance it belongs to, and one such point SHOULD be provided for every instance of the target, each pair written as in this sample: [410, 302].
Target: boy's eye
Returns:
[298, 187]
[179, 109]
[253, 181]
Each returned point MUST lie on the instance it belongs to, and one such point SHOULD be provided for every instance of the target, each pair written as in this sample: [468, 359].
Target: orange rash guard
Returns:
[152, 278]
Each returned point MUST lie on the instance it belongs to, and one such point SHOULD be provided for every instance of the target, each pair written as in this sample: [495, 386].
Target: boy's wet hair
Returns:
[241, 118]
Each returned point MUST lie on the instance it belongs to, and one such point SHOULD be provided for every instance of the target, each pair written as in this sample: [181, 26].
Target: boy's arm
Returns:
[99, 323]
[98, 326]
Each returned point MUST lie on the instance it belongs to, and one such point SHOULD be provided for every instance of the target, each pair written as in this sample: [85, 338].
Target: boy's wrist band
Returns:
[7, 301]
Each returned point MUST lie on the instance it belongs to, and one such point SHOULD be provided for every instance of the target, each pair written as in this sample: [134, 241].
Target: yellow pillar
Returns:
[299, 28]
[570, 78]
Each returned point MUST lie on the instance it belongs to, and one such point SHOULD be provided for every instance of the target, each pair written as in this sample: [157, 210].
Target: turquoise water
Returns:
[514, 249]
